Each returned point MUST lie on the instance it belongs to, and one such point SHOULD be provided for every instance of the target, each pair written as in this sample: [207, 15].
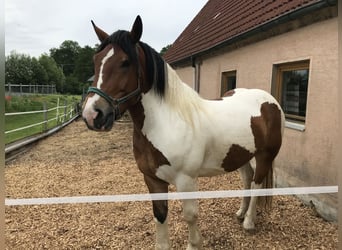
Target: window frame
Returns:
[224, 80]
[291, 66]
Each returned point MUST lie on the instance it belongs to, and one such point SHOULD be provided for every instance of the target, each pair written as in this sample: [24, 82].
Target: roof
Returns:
[222, 20]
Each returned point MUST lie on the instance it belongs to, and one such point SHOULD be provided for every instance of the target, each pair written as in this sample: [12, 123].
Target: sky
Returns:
[33, 27]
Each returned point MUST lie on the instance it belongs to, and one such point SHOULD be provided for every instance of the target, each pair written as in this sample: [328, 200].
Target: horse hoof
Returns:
[240, 218]
[250, 231]
[162, 247]
[249, 226]
[191, 247]
[240, 215]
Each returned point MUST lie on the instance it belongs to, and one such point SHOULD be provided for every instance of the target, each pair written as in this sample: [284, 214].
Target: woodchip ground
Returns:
[79, 162]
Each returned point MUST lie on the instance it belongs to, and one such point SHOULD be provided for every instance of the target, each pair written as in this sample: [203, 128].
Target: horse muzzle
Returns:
[101, 122]
[98, 117]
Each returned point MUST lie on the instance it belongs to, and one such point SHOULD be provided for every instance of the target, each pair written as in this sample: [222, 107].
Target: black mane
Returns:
[155, 65]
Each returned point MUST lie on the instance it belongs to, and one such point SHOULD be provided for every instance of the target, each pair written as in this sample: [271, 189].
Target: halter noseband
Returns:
[115, 102]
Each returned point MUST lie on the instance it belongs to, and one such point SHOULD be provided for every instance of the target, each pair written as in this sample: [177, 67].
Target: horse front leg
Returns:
[160, 209]
[190, 211]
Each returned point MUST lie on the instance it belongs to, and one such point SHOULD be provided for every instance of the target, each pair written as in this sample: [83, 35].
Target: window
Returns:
[228, 81]
[291, 89]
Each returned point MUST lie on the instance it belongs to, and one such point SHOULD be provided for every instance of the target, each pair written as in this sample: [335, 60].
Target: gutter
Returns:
[262, 28]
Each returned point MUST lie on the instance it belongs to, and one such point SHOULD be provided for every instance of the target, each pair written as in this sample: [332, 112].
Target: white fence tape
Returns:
[172, 196]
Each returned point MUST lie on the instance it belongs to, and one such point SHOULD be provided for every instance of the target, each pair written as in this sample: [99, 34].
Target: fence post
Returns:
[45, 116]
[21, 89]
[65, 110]
[57, 112]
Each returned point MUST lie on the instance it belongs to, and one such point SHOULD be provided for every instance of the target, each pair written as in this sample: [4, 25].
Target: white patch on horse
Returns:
[217, 126]
[109, 54]
[89, 112]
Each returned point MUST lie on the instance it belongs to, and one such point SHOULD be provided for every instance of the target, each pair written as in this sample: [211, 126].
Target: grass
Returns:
[35, 103]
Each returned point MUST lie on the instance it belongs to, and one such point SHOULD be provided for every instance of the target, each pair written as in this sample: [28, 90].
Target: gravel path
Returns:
[76, 162]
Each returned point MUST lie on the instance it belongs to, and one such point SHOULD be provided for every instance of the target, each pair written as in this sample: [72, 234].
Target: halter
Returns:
[115, 102]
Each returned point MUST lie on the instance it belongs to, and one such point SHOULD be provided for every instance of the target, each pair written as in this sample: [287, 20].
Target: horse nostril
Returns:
[103, 120]
[98, 120]
[99, 113]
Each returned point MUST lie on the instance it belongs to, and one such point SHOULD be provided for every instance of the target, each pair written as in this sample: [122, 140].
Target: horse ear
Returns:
[136, 30]
[100, 33]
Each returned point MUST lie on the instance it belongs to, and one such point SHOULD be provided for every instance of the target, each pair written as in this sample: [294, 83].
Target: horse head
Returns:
[118, 77]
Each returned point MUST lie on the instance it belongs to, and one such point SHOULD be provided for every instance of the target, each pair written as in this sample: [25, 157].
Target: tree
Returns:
[72, 85]
[18, 69]
[54, 73]
[22, 69]
[68, 67]
[164, 49]
[39, 74]
[66, 55]
[84, 66]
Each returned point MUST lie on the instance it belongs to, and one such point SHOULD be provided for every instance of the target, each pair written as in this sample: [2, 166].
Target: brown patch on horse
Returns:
[148, 159]
[160, 207]
[266, 129]
[146, 155]
[229, 93]
[236, 157]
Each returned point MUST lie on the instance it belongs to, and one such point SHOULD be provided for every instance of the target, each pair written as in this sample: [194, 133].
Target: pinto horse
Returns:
[179, 136]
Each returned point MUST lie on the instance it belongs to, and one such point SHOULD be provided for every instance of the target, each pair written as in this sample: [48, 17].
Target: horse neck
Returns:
[179, 100]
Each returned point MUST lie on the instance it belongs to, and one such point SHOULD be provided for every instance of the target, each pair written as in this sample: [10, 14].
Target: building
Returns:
[288, 48]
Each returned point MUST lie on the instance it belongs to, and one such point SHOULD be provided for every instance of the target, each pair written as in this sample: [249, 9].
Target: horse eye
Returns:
[125, 63]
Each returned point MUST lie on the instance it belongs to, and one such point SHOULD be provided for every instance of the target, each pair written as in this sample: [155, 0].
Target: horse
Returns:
[179, 136]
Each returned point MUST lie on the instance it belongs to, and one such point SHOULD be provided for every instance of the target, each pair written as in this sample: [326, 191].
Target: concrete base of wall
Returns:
[326, 205]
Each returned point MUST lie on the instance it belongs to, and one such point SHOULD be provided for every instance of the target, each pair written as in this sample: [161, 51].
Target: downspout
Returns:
[196, 64]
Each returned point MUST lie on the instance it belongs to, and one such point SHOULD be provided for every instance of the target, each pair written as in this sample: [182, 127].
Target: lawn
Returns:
[36, 103]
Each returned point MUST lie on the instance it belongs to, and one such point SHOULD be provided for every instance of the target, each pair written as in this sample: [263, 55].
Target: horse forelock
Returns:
[123, 40]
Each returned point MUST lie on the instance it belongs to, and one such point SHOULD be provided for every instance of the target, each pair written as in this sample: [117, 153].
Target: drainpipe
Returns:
[196, 64]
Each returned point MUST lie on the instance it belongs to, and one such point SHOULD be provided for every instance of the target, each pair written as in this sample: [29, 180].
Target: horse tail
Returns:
[265, 202]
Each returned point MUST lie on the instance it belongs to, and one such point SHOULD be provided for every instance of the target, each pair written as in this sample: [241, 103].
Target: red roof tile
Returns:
[222, 20]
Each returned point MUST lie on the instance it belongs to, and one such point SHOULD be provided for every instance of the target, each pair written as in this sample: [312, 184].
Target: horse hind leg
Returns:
[246, 173]
[263, 176]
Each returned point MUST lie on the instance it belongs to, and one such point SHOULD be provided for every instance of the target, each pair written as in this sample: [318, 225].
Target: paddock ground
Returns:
[77, 162]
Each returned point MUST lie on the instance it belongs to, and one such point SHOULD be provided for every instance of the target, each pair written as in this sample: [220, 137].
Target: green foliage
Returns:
[39, 73]
[164, 49]
[66, 56]
[18, 69]
[72, 85]
[22, 104]
[84, 67]
[54, 73]
[22, 69]
[77, 65]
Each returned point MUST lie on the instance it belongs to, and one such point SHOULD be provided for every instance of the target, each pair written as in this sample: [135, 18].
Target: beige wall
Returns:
[309, 157]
